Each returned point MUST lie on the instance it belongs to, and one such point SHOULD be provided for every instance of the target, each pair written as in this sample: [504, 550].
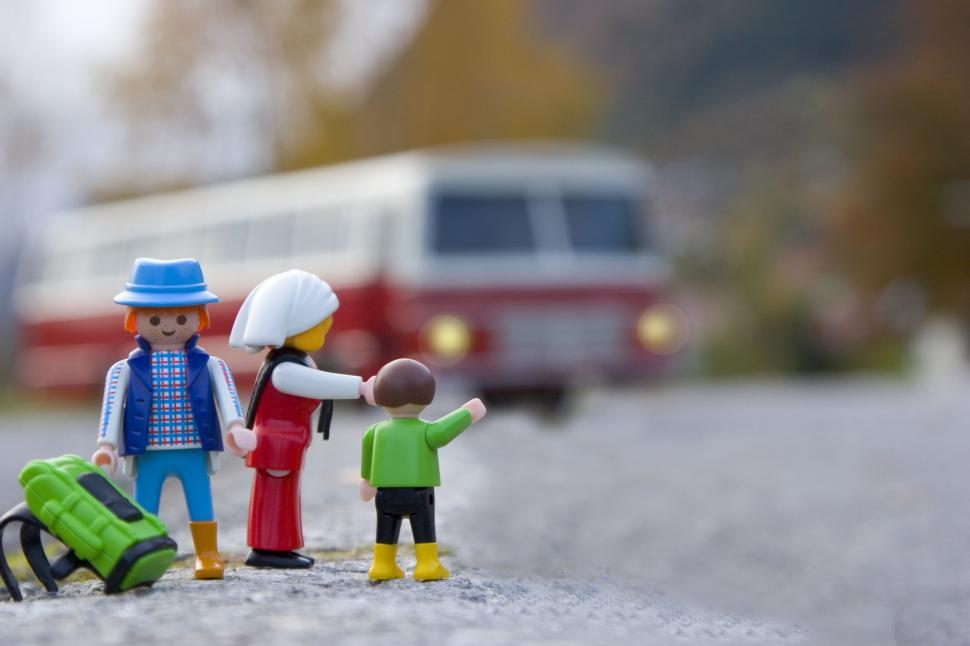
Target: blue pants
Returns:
[189, 466]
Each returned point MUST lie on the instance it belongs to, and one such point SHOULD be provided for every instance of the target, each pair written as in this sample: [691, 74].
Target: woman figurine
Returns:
[289, 314]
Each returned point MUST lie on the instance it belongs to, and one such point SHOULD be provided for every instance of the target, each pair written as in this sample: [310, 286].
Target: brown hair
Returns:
[402, 382]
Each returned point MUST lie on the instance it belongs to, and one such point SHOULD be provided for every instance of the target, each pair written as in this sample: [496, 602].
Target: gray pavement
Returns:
[824, 513]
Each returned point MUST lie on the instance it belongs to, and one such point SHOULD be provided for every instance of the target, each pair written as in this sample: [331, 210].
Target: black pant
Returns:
[394, 503]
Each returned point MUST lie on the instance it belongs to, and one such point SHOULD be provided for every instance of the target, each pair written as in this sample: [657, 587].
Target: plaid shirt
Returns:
[174, 429]
[170, 423]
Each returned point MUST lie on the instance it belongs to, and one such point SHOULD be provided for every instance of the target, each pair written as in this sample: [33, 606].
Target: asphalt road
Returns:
[823, 513]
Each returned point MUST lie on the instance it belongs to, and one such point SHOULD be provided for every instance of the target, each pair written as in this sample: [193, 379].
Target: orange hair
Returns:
[131, 325]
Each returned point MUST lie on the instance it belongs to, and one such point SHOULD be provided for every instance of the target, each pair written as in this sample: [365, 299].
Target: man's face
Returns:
[171, 326]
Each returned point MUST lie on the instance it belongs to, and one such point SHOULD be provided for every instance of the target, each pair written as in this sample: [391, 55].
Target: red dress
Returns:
[282, 427]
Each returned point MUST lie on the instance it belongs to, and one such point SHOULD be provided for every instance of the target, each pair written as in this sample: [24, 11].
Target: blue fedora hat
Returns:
[166, 283]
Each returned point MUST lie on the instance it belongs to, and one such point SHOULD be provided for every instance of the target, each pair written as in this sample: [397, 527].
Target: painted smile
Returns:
[168, 333]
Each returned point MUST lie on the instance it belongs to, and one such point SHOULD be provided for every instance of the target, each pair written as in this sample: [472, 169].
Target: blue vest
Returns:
[138, 400]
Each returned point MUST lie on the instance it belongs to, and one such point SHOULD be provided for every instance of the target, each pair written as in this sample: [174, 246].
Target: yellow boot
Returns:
[385, 564]
[208, 562]
[428, 567]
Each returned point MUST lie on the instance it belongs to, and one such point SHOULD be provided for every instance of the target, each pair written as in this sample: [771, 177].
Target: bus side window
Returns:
[270, 237]
[338, 231]
[185, 243]
[109, 258]
[320, 231]
[224, 242]
[385, 231]
[72, 264]
[32, 270]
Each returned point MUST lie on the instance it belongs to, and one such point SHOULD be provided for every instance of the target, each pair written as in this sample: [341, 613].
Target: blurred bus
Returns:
[511, 266]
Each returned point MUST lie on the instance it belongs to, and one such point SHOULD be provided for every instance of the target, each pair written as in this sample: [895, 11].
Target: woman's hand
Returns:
[240, 440]
[367, 390]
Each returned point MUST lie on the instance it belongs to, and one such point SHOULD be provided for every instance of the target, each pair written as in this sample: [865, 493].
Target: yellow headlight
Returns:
[448, 339]
[663, 329]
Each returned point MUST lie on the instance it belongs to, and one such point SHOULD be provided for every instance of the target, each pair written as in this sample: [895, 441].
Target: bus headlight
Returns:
[446, 338]
[663, 329]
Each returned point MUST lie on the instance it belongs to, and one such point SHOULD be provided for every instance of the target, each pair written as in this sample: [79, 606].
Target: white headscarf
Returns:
[281, 306]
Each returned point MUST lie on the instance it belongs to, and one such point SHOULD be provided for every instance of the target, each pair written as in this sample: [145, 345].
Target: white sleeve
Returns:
[304, 381]
[224, 392]
[113, 404]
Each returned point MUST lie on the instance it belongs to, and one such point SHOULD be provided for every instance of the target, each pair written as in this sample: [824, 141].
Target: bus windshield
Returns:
[603, 224]
[509, 223]
[492, 223]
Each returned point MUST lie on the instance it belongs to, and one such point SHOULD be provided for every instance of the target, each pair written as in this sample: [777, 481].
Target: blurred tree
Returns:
[479, 70]
[743, 105]
[225, 79]
[474, 70]
[905, 219]
[769, 278]
[715, 78]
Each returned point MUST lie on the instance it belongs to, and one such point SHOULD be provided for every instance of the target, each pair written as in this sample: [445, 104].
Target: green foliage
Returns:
[756, 93]
[763, 278]
[906, 214]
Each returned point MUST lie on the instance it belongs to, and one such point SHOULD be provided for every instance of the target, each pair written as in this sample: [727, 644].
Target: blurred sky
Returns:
[53, 54]
[49, 52]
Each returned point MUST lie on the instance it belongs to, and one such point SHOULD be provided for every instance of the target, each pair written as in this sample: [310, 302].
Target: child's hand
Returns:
[476, 408]
[367, 492]
[106, 457]
[240, 440]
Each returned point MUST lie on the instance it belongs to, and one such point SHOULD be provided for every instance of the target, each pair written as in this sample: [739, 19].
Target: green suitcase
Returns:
[105, 530]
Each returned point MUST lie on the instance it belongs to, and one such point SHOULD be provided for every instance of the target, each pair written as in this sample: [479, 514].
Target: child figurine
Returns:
[289, 313]
[399, 463]
[162, 405]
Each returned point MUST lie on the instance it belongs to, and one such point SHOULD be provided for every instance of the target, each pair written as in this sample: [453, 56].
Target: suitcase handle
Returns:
[30, 542]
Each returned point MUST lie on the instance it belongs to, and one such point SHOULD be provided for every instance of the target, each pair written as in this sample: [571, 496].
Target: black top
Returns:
[273, 359]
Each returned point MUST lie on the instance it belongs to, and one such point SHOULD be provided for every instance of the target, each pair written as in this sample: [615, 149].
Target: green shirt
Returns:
[403, 451]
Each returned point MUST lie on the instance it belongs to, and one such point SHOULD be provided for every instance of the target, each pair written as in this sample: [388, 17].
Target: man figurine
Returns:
[162, 405]
[399, 463]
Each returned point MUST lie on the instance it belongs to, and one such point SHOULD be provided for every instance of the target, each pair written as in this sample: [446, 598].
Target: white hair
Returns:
[279, 307]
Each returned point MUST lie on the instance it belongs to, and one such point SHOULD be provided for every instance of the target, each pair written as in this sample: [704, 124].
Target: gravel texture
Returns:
[823, 513]
[333, 603]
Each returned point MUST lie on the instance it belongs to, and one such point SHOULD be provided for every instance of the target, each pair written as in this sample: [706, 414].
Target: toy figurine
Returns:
[162, 405]
[399, 463]
[289, 313]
